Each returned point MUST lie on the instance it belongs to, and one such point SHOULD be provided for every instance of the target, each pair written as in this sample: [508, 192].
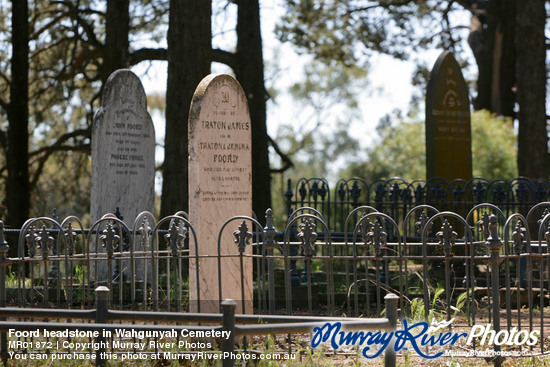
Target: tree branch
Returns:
[287, 162]
[3, 140]
[74, 13]
[47, 26]
[225, 57]
[5, 78]
[4, 104]
[84, 148]
[145, 54]
[58, 145]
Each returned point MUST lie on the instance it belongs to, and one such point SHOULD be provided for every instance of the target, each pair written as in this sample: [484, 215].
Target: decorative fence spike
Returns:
[307, 237]
[242, 237]
[4, 247]
[483, 225]
[447, 238]
[70, 239]
[110, 240]
[421, 222]
[377, 237]
[44, 242]
[145, 234]
[518, 238]
[30, 240]
[175, 239]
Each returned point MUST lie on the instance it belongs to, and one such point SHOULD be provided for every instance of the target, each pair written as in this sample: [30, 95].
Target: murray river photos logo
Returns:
[418, 336]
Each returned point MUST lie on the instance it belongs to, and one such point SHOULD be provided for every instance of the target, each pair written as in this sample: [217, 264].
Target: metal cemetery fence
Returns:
[485, 266]
[235, 326]
[396, 196]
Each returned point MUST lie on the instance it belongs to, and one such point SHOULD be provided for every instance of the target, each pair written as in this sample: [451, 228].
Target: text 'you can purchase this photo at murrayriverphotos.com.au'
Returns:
[123, 345]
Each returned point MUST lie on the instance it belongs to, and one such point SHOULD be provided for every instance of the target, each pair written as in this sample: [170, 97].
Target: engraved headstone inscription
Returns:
[123, 154]
[220, 186]
[448, 131]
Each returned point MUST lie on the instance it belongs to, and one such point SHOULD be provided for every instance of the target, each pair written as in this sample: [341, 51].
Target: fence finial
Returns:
[4, 247]
[269, 230]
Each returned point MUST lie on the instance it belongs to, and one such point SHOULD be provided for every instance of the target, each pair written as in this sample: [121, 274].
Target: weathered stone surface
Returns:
[220, 186]
[123, 153]
[448, 131]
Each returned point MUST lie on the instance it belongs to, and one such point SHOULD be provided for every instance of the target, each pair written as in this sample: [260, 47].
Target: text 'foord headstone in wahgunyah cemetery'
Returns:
[220, 186]
[123, 154]
[448, 131]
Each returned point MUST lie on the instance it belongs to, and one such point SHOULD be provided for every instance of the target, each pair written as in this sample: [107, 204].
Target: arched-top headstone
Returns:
[123, 150]
[448, 131]
[123, 160]
[220, 186]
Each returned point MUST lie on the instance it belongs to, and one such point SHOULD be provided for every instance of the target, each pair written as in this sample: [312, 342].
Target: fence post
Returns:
[102, 308]
[270, 244]
[494, 244]
[391, 301]
[4, 263]
[228, 324]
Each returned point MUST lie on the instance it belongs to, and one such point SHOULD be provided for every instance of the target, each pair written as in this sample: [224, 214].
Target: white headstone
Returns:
[123, 151]
[220, 186]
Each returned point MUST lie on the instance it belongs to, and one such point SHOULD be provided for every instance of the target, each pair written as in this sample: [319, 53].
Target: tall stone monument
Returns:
[123, 152]
[220, 186]
[448, 132]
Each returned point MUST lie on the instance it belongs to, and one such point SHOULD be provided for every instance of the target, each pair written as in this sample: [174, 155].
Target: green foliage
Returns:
[417, 309]
[351, 30]
[80, 274]
[401, 150]
[494, 146]
[329, 84]
[314, 154]
[327, 97]
[462, 303]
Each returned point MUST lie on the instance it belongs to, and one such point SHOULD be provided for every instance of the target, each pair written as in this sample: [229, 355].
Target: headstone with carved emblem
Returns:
[220, 186]
[448, 131]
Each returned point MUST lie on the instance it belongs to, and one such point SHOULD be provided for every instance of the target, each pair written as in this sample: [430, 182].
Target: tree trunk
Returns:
[250, 73]
[189, 58]
[492, 42]
[533, 159]
[117, 29]
[17, 155]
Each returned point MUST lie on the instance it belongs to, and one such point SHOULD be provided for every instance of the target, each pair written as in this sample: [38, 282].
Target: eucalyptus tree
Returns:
[505, 36]
[189, 58]
[61, 52]
[190, 34]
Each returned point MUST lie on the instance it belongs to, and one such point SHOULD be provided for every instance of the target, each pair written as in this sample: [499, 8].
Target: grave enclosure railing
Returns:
[396, 196]
[478, 268]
